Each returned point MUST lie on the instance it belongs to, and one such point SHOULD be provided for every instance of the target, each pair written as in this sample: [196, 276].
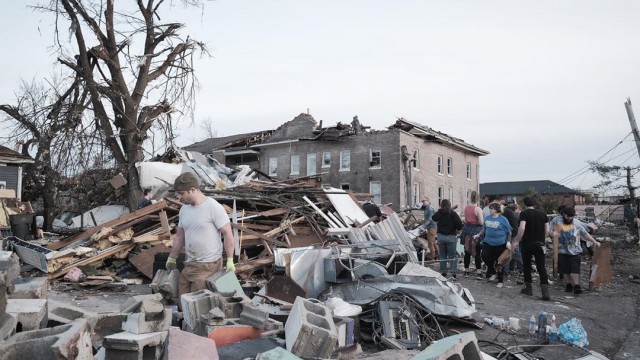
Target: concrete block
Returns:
[230, 304]
[277, 353]
[225, 282]
[69, 341]
[183, 345]
[62, 313]
[133, 303]
[459, 346]
[151, 307]
[166, 283]
[30, 314]
[258, 318]
[125, 345]
[9, 269]
[346, 330]
[30, 288]
[196, 304]
[143, 323]
[104, 325]
[7, 326]
[310, 331]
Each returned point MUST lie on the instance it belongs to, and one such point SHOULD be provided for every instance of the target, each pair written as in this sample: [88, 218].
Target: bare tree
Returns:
[138, 71]
[209, 132]
[48, 121]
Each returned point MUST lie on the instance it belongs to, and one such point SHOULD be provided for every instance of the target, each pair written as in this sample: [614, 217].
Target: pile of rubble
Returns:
[316, 278]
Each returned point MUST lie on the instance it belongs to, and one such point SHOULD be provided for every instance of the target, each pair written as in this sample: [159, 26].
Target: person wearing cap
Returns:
[431, 229]
[202, 225]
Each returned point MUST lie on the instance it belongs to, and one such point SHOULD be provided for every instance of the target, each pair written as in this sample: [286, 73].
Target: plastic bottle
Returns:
[532, 325]
[553, 330]
[542, 325]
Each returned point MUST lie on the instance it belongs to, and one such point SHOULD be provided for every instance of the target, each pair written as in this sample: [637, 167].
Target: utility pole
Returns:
[634, 126]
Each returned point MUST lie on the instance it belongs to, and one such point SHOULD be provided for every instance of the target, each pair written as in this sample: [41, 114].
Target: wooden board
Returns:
[601, 266]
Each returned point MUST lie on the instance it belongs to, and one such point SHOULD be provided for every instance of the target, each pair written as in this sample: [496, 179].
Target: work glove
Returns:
[171, 264]
[230, 266]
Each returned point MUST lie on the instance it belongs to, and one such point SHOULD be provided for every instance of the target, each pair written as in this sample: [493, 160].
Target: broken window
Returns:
[375, 188]
[440, 164]
[345, 186]
[273, 166]
[326, 159]
[295, 165]
[345, 160]
[468, 171]
[416, 159]
[311, 164]
[375, 157]
[450, 166]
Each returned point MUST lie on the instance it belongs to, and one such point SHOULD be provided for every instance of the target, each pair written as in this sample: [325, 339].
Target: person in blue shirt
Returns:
[146, 199]
[497, 233]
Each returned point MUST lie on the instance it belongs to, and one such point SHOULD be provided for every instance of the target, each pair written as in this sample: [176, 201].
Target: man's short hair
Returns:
[569, 211]
[426, 199]
[147, 192]
[529, 201]
[185, 182]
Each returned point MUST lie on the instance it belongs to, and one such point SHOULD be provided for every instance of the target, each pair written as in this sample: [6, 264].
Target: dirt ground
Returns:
[610, 315]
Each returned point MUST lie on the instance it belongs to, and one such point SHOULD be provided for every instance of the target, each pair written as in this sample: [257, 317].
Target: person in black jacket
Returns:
[449, 224]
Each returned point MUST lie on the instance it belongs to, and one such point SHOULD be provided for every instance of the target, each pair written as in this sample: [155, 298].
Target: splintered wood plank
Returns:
[147, 210]
[601, 266]
[164, 221]
[102, 255]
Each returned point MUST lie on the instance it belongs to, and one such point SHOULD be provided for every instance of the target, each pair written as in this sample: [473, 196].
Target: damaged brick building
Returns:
[399, 165]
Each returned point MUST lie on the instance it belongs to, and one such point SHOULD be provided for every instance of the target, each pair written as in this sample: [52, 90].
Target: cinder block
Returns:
[30, 314]
[151, 307]
[196, 304]
[225, 282]
[310, 331]
[277, 353]
[143, 323]
[346, 330]
[183, 345]
[125, 345]
[9, 269]
[69, 341]
[30, 288]
[7, 326]
[62, 313]
[459, 346]
[104, 325]
[166, 283]
[258, 318]
[133, 303]
[230, 304]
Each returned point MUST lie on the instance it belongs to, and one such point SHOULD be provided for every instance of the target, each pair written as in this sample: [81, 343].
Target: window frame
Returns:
[440, 194]
[440, 165]
[376, 195]
[372, 157]
[272, 171]
[311, 165]
[449, 166]
[416, 193]
[346, 152]
[294, 165]
[326, 158]
[468, 171]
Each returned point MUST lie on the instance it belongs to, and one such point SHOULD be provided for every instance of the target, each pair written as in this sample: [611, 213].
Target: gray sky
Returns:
[541, 85]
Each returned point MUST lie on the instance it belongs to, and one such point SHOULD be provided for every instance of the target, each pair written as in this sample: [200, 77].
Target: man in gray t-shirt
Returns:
[202, 226]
